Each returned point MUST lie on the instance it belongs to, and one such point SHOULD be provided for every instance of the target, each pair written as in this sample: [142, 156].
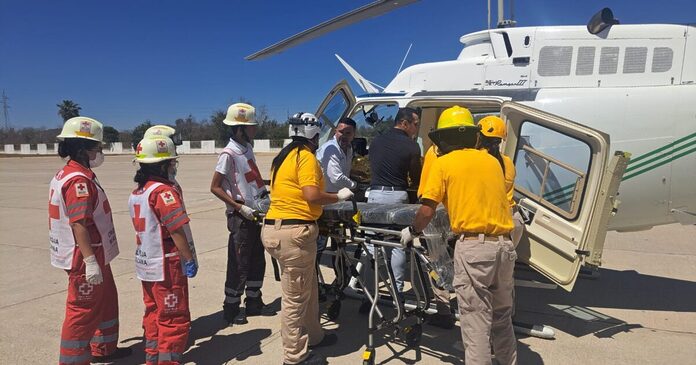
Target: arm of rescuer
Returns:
[170, 210]
[432, 194]
[80, 197]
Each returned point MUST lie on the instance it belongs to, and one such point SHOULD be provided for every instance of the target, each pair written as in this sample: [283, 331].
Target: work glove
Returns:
[246, 212]
[344, 194]
[191, 268]
[93, 273]
[407, 235]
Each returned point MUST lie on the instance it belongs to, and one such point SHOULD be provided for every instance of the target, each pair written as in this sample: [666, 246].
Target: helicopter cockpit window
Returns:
[551, 168]
[331, 114]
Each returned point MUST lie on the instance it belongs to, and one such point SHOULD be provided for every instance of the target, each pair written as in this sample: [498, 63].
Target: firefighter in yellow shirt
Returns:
[289, 235]
[450, 117]
[471, 185]
[493, 131]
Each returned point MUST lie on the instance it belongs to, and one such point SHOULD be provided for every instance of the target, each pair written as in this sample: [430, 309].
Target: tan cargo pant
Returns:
[483, 283]
[295, 248]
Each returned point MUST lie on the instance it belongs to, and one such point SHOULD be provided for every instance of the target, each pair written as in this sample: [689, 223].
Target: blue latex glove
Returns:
[191, 268]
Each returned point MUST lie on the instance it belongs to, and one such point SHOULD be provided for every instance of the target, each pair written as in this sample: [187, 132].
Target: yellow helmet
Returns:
[240, 114]
[492, 126]
[155, 149]
[455, 116]
[82, 127]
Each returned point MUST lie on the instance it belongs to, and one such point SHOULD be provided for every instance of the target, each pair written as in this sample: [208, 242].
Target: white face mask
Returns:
[98, 160]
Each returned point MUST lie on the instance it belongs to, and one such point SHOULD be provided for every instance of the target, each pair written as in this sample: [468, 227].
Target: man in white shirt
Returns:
[237, 182]
[336, 157]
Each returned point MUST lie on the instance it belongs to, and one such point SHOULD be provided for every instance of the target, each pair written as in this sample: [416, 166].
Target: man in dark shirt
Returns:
[395, 157]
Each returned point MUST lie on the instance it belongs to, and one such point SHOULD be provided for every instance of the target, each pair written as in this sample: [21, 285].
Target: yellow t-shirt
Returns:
[471, 185]
[509, 179]
[428, 159]
[299, 169]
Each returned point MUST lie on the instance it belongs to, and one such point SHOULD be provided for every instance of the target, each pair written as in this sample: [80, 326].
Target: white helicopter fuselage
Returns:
[636, 83]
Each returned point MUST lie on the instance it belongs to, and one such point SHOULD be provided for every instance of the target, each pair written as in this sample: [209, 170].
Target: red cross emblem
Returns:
[138, 223]
[253, 175]
[85, 289]
[53, 210]
[168, 198]
[85, 126]
[81, 190]
[161, 146]
[138, 149]
[171, 300]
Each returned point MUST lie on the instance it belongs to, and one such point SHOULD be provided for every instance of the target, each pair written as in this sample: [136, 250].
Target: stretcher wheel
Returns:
[412, 335]
[334, 310]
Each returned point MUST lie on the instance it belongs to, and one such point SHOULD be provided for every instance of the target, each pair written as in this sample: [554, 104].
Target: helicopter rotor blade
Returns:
[370, 10]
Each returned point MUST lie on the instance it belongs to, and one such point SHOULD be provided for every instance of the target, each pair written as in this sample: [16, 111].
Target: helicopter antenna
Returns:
[404, 60]
[489, 14]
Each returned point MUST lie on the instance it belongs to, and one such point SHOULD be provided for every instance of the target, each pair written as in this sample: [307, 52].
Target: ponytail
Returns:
[297, 143]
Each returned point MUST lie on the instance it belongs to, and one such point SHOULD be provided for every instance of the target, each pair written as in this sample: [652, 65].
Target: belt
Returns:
[289, 222]
[476, 236]
[388, 188]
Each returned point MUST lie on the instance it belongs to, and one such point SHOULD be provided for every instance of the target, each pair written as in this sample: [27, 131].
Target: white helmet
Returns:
[240, 114]
[161, 130]
[82, 127]
[155, 149]
[304, 125]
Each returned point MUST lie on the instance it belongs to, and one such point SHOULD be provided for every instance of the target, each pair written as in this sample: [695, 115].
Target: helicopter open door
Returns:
[337, 104]
[566, 185]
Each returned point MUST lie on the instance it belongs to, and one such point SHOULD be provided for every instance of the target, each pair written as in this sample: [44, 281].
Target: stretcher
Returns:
[352, 227]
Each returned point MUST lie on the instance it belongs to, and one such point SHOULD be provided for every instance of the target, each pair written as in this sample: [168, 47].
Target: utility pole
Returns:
[5, 113]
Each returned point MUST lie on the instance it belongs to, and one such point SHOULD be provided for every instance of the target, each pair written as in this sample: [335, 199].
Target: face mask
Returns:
[98, 160]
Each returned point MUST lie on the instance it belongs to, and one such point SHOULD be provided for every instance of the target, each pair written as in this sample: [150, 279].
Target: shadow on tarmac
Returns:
[627, 289]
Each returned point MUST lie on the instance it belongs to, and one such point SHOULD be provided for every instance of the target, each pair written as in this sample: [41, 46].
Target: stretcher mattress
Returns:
[379, 214]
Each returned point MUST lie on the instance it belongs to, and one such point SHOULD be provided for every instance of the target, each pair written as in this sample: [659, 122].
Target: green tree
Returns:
[138, 132]
[68, 109]
[111, 134]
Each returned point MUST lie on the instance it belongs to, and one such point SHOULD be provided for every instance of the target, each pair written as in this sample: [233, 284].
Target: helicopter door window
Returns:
[332, 113]
[551, 168]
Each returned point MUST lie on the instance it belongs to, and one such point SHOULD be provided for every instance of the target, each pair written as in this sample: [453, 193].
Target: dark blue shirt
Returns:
[394, 157]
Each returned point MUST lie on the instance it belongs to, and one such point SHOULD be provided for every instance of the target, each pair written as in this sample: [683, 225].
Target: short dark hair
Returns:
[347, 121]
[405, 114]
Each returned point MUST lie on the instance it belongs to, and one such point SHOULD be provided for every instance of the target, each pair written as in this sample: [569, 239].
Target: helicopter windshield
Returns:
[374, 119]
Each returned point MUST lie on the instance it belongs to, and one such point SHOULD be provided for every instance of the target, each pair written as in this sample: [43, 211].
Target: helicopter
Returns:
[579, 127]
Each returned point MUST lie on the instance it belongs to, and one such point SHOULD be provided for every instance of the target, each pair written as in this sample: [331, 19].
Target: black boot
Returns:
[233, 315]
[254, 306]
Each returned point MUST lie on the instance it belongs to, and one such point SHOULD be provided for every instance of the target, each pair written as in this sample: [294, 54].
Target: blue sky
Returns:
[129, 61]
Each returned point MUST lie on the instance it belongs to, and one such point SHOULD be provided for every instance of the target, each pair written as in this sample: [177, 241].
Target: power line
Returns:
[5, 111]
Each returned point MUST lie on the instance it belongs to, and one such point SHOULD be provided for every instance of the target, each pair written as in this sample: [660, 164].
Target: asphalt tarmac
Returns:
[639, 309]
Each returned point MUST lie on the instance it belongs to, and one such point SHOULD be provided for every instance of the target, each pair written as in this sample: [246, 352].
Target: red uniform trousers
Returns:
[91, 314]
[167, 319]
